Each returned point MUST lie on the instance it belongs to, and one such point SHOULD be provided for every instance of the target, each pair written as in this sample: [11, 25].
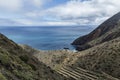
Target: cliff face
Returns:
[105, 32]
[18, 64]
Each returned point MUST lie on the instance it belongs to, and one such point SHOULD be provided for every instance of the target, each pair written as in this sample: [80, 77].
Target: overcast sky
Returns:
[56, 12]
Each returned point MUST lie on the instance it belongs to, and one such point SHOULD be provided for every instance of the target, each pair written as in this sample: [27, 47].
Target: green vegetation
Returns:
[24, 58]
[4, 59]
[2, 77]
[33, 67]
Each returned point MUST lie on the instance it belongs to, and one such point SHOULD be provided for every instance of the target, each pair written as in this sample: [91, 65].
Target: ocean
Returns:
[47, 37]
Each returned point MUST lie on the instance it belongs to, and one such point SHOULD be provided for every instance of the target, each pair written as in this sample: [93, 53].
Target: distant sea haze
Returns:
[46, 38]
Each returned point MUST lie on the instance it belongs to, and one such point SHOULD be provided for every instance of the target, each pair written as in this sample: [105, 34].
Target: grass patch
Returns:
[2, 77]
[4, 59]
[24, 58]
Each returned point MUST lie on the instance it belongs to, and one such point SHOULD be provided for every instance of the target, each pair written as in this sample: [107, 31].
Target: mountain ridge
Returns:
[82, 43]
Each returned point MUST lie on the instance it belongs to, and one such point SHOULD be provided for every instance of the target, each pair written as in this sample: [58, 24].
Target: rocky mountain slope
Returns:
[18, 64]
[103, 59]
[108, 30]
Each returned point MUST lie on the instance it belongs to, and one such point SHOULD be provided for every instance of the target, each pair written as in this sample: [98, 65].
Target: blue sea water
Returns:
[46, 38]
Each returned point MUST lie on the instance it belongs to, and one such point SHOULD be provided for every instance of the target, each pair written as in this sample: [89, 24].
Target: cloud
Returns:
[8, 22]
[21, 5]
[39, 3]
[57, 23]
[10, 5]
[70, 12]
[25, 22]
[88, 11]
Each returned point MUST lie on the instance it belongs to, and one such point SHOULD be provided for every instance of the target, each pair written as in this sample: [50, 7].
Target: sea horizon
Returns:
[46, 38]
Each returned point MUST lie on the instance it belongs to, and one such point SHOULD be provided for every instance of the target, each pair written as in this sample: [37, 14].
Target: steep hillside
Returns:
[18, 64]
[105, 32]
[103, 59]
